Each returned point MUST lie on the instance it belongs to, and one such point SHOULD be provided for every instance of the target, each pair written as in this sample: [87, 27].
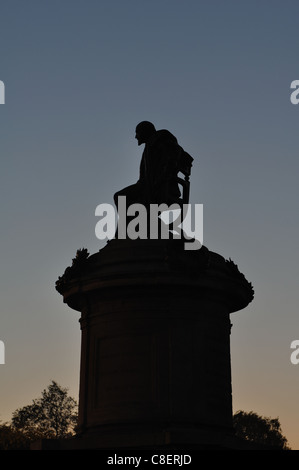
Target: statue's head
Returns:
[144, 130]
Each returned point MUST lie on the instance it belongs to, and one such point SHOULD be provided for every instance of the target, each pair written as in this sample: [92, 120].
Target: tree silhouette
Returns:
[12, 439]
[259, 430]
[54, 415]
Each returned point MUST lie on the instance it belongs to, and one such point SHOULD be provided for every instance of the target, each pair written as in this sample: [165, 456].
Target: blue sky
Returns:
[79, 75]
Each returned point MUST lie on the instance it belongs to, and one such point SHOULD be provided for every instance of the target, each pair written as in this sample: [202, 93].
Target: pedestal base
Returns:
[155, 355]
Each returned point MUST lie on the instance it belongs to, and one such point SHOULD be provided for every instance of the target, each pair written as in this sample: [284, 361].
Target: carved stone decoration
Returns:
[234, 270]
[74, 270]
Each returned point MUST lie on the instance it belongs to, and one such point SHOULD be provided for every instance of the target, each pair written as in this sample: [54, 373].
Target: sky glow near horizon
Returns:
[79, 75]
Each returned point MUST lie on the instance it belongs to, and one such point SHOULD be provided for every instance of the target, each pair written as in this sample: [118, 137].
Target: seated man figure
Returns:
[158, 168]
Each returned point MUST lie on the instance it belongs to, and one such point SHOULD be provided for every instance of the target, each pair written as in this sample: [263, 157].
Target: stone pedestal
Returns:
[155, 354]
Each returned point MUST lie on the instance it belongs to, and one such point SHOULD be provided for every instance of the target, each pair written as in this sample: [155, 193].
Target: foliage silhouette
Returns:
[259, 430]
[12, 439]
[54, 415]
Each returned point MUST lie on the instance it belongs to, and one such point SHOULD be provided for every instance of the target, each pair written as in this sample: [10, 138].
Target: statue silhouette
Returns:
[157, 181]
[162, 159]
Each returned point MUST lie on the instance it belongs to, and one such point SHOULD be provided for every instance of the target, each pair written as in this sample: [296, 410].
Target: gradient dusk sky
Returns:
[79, 75]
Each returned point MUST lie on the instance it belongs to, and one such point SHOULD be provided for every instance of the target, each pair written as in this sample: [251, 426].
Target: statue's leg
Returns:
[134, 195]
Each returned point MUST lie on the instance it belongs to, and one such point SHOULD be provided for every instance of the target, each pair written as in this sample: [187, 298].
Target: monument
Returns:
[155, 318]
